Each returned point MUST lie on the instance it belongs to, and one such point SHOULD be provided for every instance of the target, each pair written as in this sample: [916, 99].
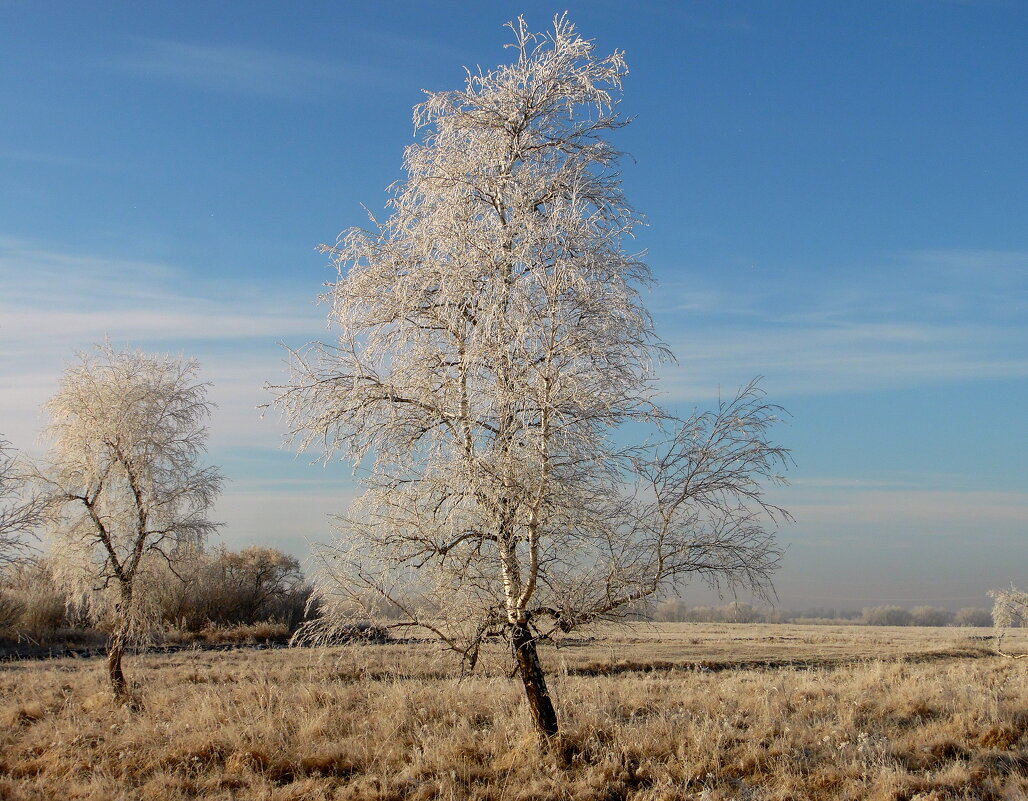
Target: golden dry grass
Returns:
[388, 722]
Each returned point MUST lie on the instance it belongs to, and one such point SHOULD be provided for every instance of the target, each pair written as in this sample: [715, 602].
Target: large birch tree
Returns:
[491, 343]
[125, 483]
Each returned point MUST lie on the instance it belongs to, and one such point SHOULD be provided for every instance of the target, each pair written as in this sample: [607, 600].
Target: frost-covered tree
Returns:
[1009, 611]
[491, 344]
[20, 509]
[125, 483]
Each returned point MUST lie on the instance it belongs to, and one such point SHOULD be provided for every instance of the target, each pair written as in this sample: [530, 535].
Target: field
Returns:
[673, 711]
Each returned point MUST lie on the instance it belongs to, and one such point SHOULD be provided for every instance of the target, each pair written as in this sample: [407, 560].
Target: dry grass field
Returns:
[673, 711]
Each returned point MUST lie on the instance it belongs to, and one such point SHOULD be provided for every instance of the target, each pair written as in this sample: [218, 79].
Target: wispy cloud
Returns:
[917, 319]
[813, 360]
[232, 68]
[987, 265]
[53, 294]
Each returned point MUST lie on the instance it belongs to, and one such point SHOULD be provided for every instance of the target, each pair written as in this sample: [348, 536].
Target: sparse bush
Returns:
[264, 584]
[1010, 611]
[246, 633]
[737, 612]
[21, 510]
[887, 616]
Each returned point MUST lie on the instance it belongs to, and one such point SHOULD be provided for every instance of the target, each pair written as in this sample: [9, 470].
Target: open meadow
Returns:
[669, 711]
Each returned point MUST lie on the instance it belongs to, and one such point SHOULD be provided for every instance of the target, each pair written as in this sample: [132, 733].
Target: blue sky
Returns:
[836, 196]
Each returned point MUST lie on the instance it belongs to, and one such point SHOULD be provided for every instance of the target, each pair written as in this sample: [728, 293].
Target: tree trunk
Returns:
[118, 642]
[544, 717]
[114, 671]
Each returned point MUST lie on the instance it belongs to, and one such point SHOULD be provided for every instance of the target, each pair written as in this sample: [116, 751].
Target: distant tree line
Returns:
[674, 610]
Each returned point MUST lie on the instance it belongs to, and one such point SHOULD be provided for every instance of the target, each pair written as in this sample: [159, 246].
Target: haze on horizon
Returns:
[835, 199]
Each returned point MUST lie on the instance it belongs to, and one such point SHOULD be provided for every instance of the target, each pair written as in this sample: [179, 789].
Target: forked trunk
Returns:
[544, 717]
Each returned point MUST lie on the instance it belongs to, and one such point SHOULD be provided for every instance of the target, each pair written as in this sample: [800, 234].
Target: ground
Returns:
[673, 711]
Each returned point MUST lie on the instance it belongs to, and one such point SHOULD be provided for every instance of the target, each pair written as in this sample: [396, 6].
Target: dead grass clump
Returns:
[198, 754]
[1002, 736]
[1003, 762]
[24, 714]
[932, 756]
[340, 764]
[267, 631]
[915, 712]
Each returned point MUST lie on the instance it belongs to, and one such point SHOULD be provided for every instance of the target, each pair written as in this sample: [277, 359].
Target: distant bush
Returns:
[821, 615]
[233, 588]
[31, 605]
[930, 616]
[674, 611]
[974, 616]
[217, 589]
[887, 616]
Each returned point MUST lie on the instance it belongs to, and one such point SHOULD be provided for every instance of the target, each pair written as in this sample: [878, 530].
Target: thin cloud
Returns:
[66, 296]
[284, 518]
[943, 512]
[804, 360]
[987, 265]
[237, 69]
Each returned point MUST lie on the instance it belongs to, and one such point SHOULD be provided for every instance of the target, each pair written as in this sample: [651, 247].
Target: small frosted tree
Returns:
[492, 341]
[1009, 611]
[125, 485]
[21, 511]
